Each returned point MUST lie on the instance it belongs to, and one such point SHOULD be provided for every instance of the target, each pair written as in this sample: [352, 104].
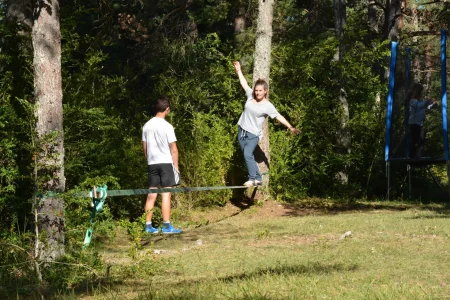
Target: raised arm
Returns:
[283, 121]
[242, 79]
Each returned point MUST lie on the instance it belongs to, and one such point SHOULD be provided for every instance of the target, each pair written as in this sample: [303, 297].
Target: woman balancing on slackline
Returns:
[251, 121]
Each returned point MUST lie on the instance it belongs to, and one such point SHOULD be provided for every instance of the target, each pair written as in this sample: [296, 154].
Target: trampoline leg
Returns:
[388, 176]
[408, 169]
[448, 177]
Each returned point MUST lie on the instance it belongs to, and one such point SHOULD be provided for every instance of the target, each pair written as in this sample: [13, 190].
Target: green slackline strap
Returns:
[115, 193]
[99, 194]
[98, 199]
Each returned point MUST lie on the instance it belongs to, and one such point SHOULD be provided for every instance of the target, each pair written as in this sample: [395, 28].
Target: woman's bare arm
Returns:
[242, 79]
[283, 121]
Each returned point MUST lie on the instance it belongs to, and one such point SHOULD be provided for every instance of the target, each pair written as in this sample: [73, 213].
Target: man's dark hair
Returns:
[161, 104]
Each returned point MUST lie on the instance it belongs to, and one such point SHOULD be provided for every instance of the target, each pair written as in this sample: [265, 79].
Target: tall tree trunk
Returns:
[20, 11]
[415, 23]
[373, 34]
[261, 69]
[372, 16]
[392, 14]
[313, 13]
[343, 139]
[239, 19]
[46, 38]
[428, 67]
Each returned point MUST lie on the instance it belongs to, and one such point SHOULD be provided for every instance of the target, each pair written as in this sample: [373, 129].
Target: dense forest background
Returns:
[118, 56]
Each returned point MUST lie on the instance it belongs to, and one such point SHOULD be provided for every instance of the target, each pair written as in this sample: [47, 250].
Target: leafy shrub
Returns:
[205, 159]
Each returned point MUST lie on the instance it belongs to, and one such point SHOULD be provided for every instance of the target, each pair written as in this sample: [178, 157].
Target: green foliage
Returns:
[8, 143]
[75, 270]
[16, 255]
[15, 118]
[210, 12]
[206, 155]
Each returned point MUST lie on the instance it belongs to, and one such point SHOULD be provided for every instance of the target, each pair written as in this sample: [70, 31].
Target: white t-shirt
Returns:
[158, 134]
[254, 114]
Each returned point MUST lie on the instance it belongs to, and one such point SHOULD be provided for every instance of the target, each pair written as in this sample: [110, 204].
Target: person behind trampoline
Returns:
[161, 152]
[250, 123]
[417, 108]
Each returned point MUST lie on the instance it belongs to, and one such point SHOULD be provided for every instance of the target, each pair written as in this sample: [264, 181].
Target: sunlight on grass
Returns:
[391, 254]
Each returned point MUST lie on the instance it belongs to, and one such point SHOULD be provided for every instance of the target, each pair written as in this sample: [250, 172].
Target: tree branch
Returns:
[15, 246]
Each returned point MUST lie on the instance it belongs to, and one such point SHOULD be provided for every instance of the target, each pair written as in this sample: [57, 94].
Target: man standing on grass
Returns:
[161, 152]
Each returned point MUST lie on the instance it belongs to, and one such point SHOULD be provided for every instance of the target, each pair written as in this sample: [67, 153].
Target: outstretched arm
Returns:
[283, 121]
[242, 79]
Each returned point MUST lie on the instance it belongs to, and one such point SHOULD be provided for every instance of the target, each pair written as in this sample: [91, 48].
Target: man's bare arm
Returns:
[144, 147]
[174, 152]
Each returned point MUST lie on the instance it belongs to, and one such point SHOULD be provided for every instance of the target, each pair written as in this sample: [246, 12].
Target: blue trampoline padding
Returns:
[390, 100]
[444, 90]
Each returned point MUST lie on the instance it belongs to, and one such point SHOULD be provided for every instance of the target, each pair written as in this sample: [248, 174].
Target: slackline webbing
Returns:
[115, 193]
[99, 194]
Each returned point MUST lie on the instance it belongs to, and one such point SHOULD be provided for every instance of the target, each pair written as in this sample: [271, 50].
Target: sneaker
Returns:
[151, 230]
[249, 183]
[258, 182]
[170, 230]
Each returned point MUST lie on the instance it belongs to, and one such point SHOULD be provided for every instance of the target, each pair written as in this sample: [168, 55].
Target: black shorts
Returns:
[163, 175]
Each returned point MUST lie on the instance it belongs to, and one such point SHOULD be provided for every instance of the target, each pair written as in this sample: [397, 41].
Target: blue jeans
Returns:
[248, 142]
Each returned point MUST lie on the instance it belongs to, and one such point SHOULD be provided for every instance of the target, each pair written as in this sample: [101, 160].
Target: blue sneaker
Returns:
[151, 230]
[170, 230]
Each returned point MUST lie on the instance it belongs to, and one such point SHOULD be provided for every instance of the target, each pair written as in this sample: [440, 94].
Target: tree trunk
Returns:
[343, 139]
[239, 19]
[392, 14]
[20, 11]
[313, 15]
[372, 16]
[46, 38]
[428, 67]
[340, 21]
[261, 69]
[415, 23]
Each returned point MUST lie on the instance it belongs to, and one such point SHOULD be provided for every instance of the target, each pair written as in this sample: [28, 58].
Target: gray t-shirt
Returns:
[254, 114]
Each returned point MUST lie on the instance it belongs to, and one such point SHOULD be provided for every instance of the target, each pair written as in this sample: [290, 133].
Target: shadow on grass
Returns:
[323, 207]
[282, 270]
[189, 237]
[313, 268]
[113, 288]
[243, 201]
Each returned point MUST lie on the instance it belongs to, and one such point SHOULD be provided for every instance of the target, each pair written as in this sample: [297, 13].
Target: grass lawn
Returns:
[275, 251]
